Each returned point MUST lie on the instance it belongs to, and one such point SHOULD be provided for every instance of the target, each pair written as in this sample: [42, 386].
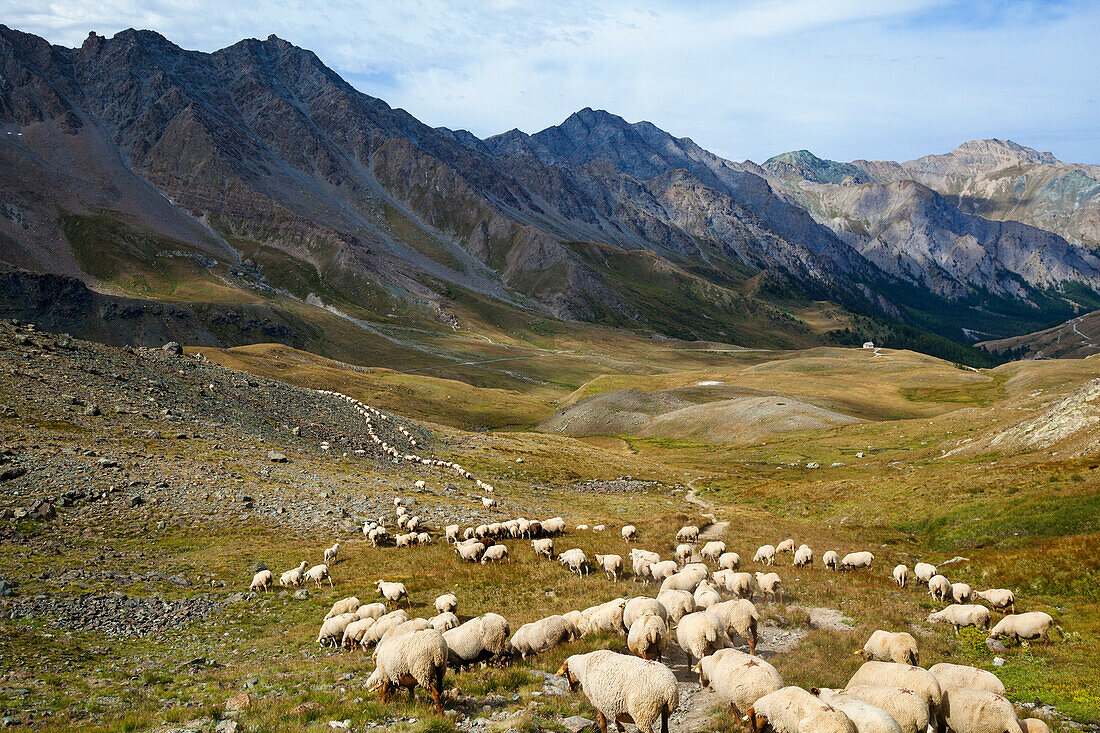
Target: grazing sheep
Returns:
[488, 503]
[999, 598]
[393, 592]
[939, 587]
[886, 646]
[293, 578]
[740, 584]
[661, 571]
[1033, 725]
[346, 605]
[496, 553]
[469, 550]
[579, 621]
[961, 593]
[630, 533]
[770, 585]
[446, 602]
[623, 688]
[677, 603]
[640, 606]
[793, 710]
[542, 635]
[689, 533]
[261, 580]
[713, 550]
[408, 660]
[962, 615]
[729, 561]
[905, 706]
[686, 579]
[423, 538]
[979, 711]
[648, 637]
[738, 679]
[1033, 625]
[803, 556]
[330, 554]
[414, 525]
[478, 640]
[739, 617]
[451, 532]
[371, 610]
[544, 548]
[317, 573]
[612, 566]
[701, 633]
[866, 717]
[332, 630]
[606, 617]
[553, 527]
[765, 555]
[831, 560]
[854, 560]
[901, 575]
[960, 675]
[575, 560]
[683, 553]
[444, 621]
[785, 546]
[354, 632]
[706, 596]
[924, 572]
[644, 554]
[892, 674]
[599, 528]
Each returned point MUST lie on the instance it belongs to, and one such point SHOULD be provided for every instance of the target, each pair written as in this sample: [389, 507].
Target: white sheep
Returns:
[496, 553]
[831, 560]
[421, 484]
[765, 555]
[661, 571]
[999, 598]
[689, 533]
[962, 615]
[924, 572]
[901, 575]
[393, 592]
[803, 556]
[939, 587]
[451, 533]
[469, 550]
[785, 546]
[1033, 725]
[542, 635]
[706, 596]
[887, 646]
[575, 560]
[740, 584]
[701, 633]
[630, 533]
[648, 637]
[423, 538]
[330, 554]
[261, 580]
[683, 553]
[612, 566]
[770, 585]
[713, 550]
[293, 578]
[677, 603]
[979, 711]
[332, 630]
[346, 605]
[867, 718]
[417, 658]
[793, 710]
[624, 688]
[905, 706]
[729, 561]
[961, 592]
[580, 623]
[371, 610]
[686, 579]
[553, 527]
[854, 560]
[544, 548]
[444, 621]
[446, 602]
[478, 640]
[960, 675]
[738, 679]
[606, 618]
[354, 632]
[905, 676]
[382, 626]
[317, 573]
[739, 617]
[1033, 625]
[640, 606]
[488, 503]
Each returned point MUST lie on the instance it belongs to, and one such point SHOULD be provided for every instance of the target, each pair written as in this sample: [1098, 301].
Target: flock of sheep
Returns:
[890, 693]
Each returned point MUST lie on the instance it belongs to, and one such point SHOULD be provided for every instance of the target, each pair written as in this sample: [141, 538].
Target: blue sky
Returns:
[884, 79]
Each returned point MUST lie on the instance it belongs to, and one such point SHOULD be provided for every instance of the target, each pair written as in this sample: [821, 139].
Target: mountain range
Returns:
[252, 190]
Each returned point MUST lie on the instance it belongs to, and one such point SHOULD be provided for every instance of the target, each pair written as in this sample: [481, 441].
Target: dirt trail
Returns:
[714, 529]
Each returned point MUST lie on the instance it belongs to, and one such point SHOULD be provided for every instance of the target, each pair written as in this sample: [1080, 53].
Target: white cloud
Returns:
[846, 78]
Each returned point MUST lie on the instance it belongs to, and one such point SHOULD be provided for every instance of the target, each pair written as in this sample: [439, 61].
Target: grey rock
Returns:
[173, 348]
[995, 646]
[300, 595]
[998, 661]
[576, 724]
[92, 410]
[276, 457]
[258, 567]
[227, 726]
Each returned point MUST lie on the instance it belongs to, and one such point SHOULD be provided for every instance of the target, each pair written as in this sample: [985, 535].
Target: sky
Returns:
[846, 79]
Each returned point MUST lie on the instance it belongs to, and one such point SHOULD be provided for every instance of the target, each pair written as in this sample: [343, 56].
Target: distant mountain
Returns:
[256, 175]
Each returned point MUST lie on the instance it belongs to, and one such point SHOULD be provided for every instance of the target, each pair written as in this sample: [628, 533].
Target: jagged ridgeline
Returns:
[260, 197]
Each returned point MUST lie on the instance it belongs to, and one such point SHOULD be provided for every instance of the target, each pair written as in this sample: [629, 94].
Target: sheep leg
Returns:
[602, 720]
[330, 585]
[384, 691]
[664, 720]
[435, 697]
[753, 638]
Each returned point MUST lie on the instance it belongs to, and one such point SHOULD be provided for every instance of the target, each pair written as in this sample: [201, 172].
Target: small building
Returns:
[868, 344]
